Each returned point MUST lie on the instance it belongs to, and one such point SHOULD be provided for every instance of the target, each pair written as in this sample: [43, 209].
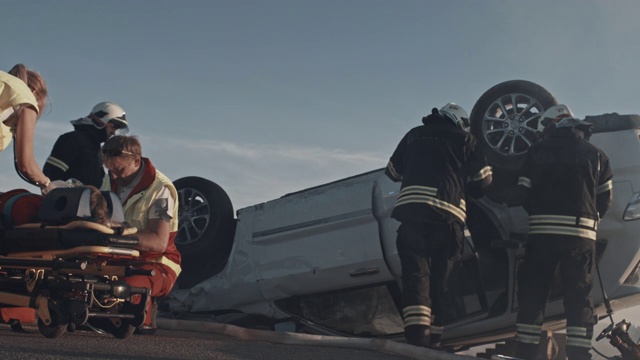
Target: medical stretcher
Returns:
[71, 272]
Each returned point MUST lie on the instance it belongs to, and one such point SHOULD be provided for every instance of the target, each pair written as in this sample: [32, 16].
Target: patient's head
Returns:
[99, 208]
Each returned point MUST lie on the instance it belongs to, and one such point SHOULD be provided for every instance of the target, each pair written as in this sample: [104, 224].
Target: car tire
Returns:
[206, 229]
[505, 121]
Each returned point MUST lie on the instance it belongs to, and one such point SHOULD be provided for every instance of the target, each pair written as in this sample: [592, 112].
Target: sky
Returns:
[270, 97]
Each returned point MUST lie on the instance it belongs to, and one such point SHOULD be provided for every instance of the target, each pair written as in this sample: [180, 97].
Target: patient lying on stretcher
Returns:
[19, 207]
[22, 208]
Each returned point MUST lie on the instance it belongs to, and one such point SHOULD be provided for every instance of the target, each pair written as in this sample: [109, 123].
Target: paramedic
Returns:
[75, 154]
[567, 188]
[437, 163]
[23, 96]
[150, 204]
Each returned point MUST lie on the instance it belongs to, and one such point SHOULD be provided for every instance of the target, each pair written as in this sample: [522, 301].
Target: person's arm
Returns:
[63, 155]
[604, 190]
[155, 238]
[26, 161]
[394, 169]
[480, 173]
[521, 194]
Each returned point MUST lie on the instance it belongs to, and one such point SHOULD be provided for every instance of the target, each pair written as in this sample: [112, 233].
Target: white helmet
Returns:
[103, 113]
[457, 114]
[554, 114]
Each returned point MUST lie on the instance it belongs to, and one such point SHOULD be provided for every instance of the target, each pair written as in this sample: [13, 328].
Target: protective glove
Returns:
[53, 185]
[61, 184]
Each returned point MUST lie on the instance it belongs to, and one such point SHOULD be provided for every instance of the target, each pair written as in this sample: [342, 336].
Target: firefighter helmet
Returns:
[554, 114]
[103, 113]
[574, 123]
[457, 114]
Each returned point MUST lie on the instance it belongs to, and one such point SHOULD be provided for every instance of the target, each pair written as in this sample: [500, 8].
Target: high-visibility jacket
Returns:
[567, 184]
[438, 164]
[136, 208]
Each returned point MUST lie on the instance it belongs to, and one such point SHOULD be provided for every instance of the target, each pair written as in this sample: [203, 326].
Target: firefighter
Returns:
[437, 163]
[75, 155]
[567, 187]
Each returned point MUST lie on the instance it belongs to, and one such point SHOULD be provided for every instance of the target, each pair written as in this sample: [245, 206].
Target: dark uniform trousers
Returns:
[575, 257]
[427, 252]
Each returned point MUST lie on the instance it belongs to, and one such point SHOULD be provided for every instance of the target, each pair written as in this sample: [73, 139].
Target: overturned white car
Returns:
[325, 258]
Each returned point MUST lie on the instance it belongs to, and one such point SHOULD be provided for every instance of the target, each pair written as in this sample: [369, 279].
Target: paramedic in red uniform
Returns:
[567, 187]
[150, 204]
[438, 163]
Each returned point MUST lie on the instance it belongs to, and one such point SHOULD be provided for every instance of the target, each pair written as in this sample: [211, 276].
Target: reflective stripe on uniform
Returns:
[579, 342]
[483, 173]
[57, 163]
[604, 187]
[562, 219]
[528, 334]
[579, 336]
[168, 262]
[427, 195]
[416, 309]
[563, 225]
[393, 171]
[416, 315]
[437, 330]
[427, 190]
[563, 230]
[576, 331]
[523, 181]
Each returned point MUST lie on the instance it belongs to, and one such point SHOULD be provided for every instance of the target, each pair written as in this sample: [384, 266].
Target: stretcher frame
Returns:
[71, 286]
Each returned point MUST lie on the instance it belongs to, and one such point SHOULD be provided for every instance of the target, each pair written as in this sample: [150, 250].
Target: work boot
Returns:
[417, 335]
[16, 326]
[434, 341]
[149, 329]
[526, 351]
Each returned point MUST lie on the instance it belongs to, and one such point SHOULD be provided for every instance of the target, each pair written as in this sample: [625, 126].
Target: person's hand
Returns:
[53, 185]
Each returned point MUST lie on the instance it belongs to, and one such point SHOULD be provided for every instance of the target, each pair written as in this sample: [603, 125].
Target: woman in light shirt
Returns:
[23, 95]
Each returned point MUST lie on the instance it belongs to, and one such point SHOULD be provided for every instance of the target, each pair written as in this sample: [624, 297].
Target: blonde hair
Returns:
[34, 81]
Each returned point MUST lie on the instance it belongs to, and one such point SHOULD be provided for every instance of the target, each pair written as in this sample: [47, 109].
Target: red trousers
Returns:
[24, 314]
[160, 284]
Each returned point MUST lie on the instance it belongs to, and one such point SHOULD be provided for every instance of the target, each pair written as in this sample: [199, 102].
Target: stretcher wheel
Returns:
[122, 329]
[58, 325]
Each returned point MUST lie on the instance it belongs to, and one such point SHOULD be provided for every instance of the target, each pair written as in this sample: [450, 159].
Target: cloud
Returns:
[253, 173]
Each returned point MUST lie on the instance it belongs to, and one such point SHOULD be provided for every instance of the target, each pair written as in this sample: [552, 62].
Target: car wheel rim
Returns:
[511, 124]
[194, 214]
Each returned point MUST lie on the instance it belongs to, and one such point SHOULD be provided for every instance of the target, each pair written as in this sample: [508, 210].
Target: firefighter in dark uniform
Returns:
[567, 188]
[75, 154]
[437, 163]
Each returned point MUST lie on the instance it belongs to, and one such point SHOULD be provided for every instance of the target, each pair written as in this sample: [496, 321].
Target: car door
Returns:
[316, 240]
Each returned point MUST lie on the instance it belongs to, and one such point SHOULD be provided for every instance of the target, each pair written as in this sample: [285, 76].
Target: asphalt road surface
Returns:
[165, 344]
